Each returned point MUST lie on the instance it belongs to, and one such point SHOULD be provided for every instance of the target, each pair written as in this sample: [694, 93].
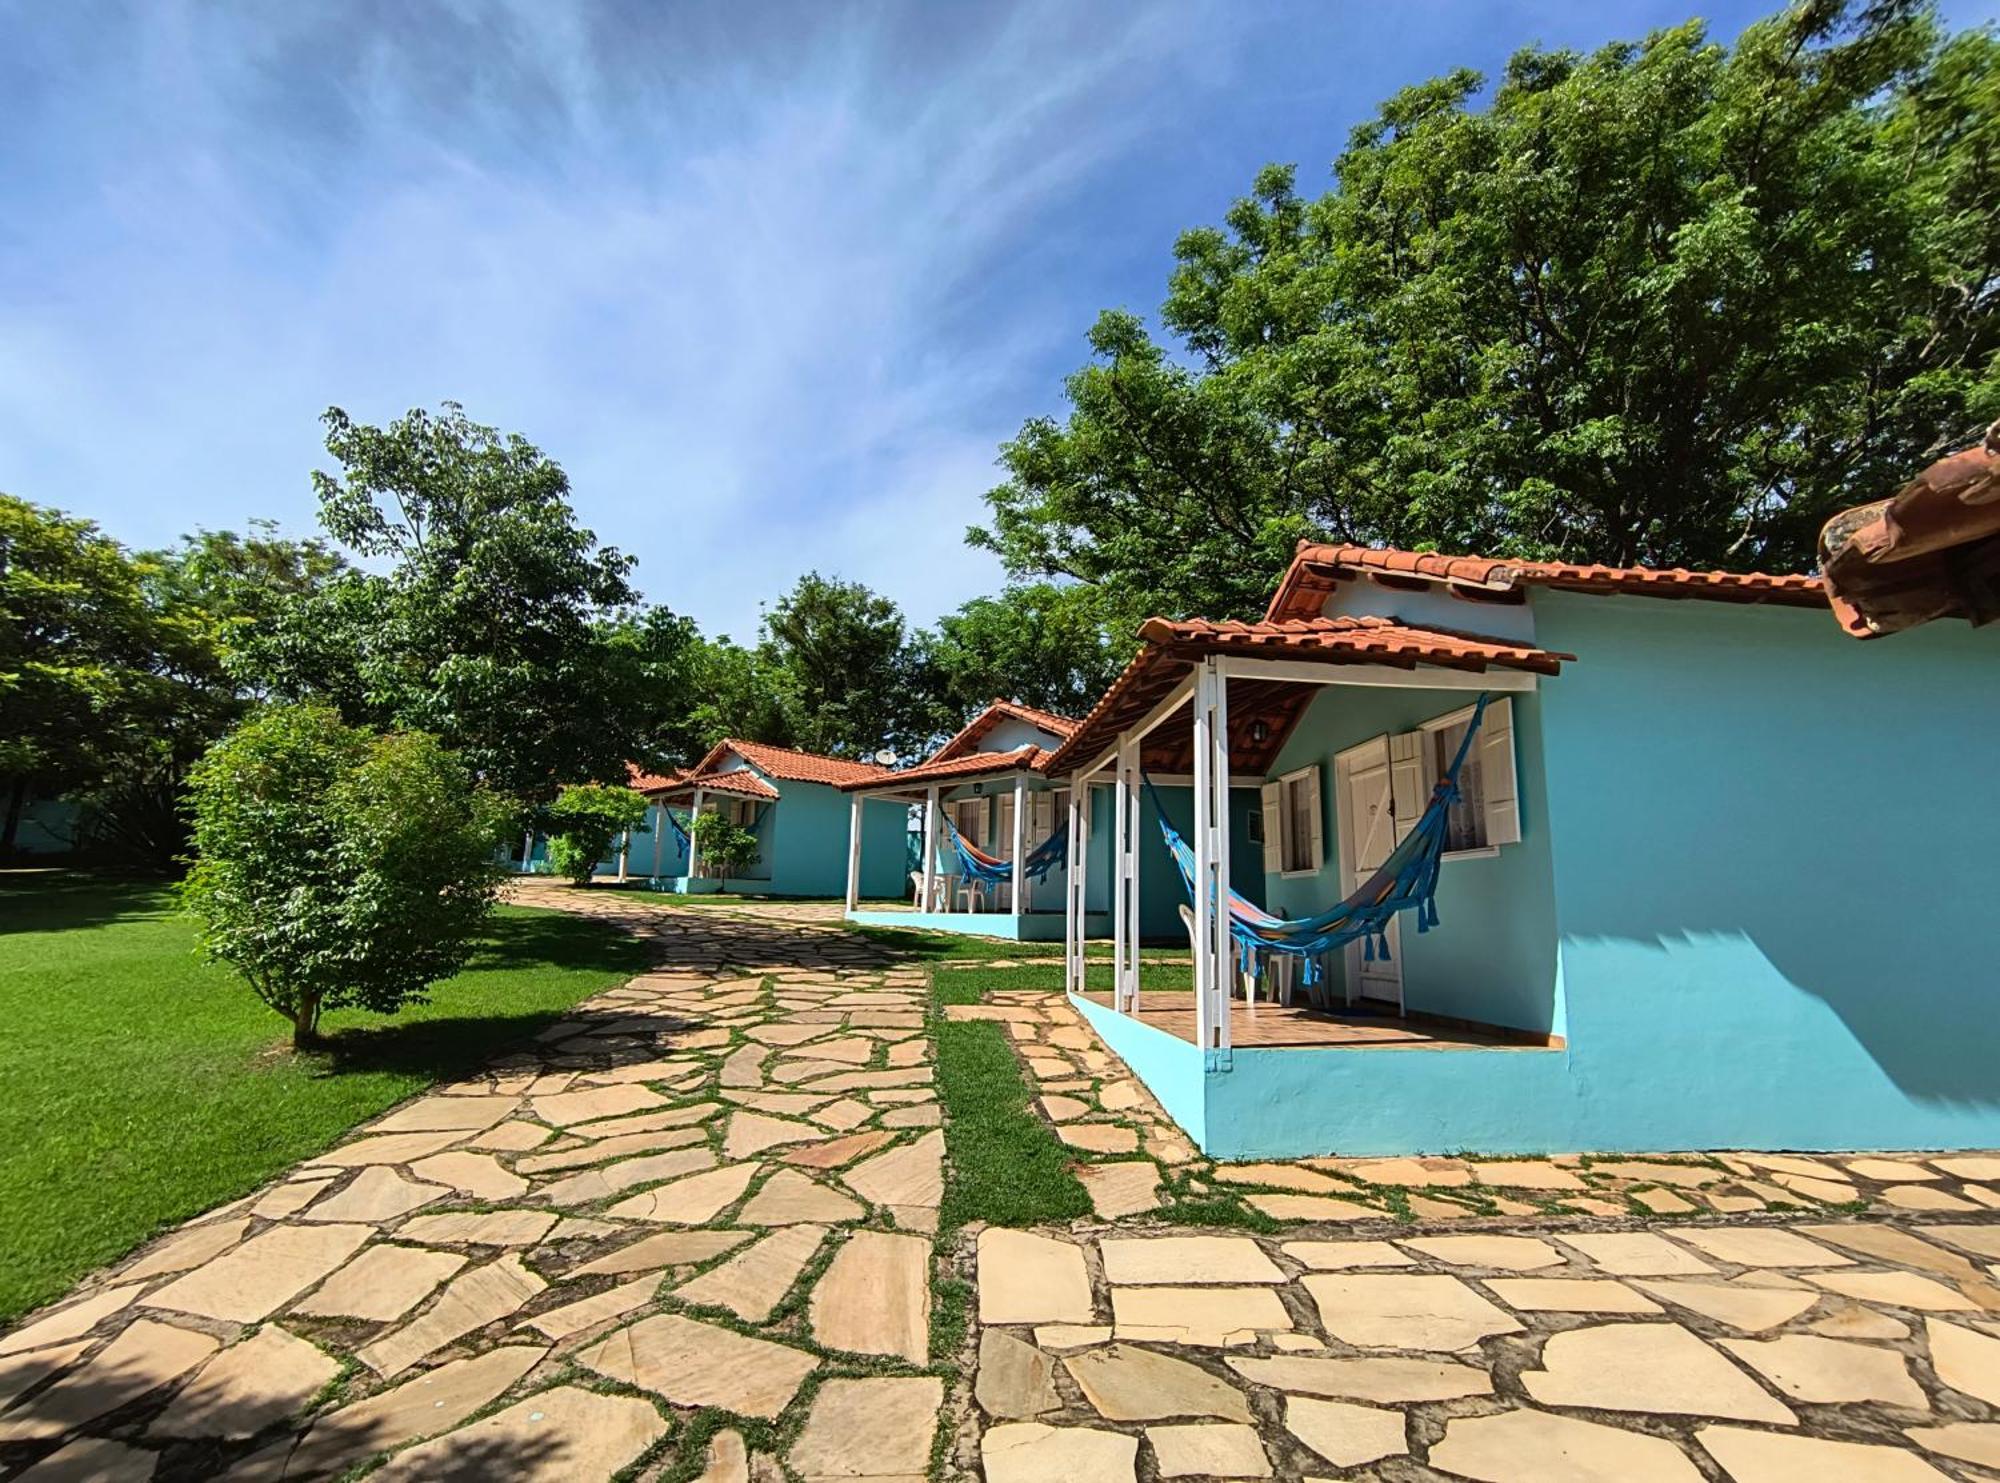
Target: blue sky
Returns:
[771, 280]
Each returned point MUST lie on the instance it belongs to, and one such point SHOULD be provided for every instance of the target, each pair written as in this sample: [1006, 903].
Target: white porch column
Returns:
[1203, 841]
[930, 849]
[660, 827]
[1125, 898]
[854, 852]
[1217, 810]
[624, 849]
[1076, 885]
[1020, 834]
[528, 854]
[694, 854]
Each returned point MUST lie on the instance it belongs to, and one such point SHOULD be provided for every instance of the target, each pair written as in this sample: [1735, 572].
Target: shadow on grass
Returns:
[930, 947]
[38, 900]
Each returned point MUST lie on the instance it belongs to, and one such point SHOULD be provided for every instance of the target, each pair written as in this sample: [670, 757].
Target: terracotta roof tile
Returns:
[789, 764]
[973, 731]
[946, 769]
[638, 778]
[740, 781]
[1317, 569]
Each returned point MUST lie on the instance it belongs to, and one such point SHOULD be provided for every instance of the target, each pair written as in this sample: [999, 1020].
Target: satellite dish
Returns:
[886, 757]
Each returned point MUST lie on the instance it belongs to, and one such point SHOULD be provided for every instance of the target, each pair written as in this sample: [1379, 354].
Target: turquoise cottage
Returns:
[791, 801]
[1719, 876]
[655, 850]
[986, 796]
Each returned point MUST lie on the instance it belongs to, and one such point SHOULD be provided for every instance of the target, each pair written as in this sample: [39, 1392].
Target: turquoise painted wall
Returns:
[1492, 956]
[805, 843]
[1770, 875]
[1775, 872]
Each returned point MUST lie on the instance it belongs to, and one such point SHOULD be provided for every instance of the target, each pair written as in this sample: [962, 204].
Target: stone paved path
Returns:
[1751, 1317]
[708, 1198]
[712, 1187]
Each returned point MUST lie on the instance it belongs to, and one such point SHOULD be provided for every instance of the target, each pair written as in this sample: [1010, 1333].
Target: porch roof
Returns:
[741, 782]
[1028, 758]
[1172, 650]
[998, 710]
[788, 763]
[1317, 569]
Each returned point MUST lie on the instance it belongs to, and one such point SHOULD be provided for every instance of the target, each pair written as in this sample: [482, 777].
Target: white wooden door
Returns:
[1366, 827]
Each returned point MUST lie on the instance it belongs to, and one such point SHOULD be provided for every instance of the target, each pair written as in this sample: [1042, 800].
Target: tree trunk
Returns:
[305, 1023]
[17, 796]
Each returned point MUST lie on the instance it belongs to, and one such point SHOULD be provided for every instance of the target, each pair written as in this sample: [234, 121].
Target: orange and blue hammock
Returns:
[981, 866]
[1406, 881]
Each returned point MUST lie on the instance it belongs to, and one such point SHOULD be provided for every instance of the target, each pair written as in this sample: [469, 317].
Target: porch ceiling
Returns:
[1173, 649]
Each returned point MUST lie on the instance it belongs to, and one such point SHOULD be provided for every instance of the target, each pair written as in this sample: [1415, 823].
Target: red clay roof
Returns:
[950, 769]
[789, 764]
[975, 730]
[1172, 648]
[740, 781]
[1317, 569]
[650, 782]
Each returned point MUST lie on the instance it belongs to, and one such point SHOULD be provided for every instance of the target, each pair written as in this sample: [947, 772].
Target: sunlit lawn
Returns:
[142, 1086]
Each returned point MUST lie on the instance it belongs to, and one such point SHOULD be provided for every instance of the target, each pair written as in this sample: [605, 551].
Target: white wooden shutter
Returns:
[1272, 797]
[1406, 779]
[1497, 773]
[1042, 811]
[982, 828]
[1316, 815]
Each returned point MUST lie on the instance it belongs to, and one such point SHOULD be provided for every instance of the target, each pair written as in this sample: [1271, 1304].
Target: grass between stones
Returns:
[144, 1086]
[1005, 1166]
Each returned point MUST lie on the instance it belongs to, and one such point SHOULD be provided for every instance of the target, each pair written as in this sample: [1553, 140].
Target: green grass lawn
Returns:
[143, 1086]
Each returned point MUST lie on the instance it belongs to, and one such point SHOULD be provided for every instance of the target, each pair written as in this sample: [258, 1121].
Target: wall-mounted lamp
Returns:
[1259, 733]
[978, 788]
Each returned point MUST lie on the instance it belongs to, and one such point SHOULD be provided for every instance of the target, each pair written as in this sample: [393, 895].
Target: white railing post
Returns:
[930, 850]
[853, 853]
[1125, 844]
[1218, 809]
[1020, 882]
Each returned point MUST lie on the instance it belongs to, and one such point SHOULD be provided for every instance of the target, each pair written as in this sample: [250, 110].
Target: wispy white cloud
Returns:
[741, 286]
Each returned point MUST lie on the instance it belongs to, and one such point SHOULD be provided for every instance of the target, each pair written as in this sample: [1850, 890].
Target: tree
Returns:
[585, 819]
[501, 627]
[336, 867]
[722, 689]
[1043, 644]
[81, 656]
[838, 653]
[210, 593]
[1669, 303]
[722, 847]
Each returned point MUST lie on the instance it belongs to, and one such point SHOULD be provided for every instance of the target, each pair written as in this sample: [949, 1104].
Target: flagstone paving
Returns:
[716, 1189]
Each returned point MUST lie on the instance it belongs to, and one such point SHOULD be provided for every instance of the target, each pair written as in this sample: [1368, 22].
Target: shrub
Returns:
[585, 820]
[334, 867]
[723, 848]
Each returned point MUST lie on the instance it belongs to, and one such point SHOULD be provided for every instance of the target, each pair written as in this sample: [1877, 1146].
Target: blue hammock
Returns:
[1043, 858]
[680, 829]
[1406, 881]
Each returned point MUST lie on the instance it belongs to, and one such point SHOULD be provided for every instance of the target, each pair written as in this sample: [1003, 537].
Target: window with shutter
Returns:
[1271, 815]
[1487, 812]
[1294, 833]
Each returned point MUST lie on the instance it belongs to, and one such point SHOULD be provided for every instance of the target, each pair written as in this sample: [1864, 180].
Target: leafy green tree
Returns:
[722, 847]
[585, 819]
[1672, 302]
[722, 689]
[337, 868]
[1043, 644]
[210, 593]
[83, 656]
[501, 626]
[839, 655]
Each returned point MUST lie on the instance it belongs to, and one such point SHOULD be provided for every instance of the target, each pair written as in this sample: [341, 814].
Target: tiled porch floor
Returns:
[1273, 1025]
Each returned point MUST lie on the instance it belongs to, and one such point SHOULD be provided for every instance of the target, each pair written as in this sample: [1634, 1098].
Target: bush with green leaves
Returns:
[336, 868]
[584, 820]
[723, 847]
